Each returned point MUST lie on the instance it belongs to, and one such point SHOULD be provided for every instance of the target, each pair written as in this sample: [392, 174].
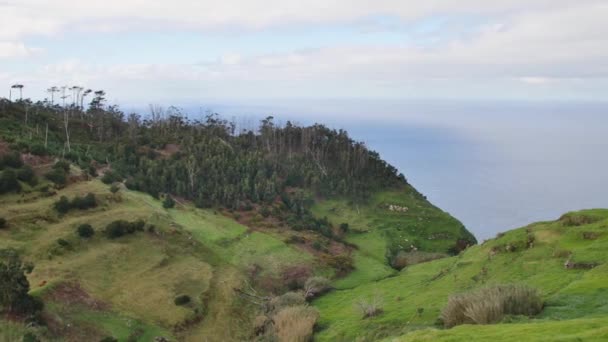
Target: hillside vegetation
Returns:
[565, 260]
[118, 228]
[178, 229]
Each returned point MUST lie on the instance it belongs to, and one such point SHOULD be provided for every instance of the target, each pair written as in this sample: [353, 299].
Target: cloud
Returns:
[41, 17]
[534, 42]
[15, 50]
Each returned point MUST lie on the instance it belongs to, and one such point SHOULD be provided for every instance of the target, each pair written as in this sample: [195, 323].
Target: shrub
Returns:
[85, 231]
[490, 305]
[84, 203]
[110, 177]
[316, 286]
[344, 227]
[8, 182]
[108, 339]
[341, 263]
[91, 170]
[577, 219]
[3, 223]
[120, 228]
[403, 258]
[64, 243]
[57, 176]
[370, 308]
[63, 205]
[169, 202]
[265, 212]
[286, 300]
[26, 174]
[12, 159]
[62, 165]
[114, 188]
[296, 323]
[294, 277]
[182, 300]
[38, 150]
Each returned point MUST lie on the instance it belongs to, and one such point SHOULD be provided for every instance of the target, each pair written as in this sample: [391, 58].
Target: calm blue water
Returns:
[494, 166]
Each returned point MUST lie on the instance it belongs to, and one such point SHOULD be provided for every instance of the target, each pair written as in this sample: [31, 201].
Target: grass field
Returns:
[125, 287]
[374, 226]
[569, 293]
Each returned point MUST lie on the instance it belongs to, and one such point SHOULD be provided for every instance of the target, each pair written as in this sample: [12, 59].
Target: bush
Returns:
[12, 159]
[316, 286]
[8, 182]
[370, 308]
[341, 263]
[286, 300]
[120, 228]
[85, 202]
[295, 323]
[403, 258]
[114, 188]
[63, 205]
[62, 165]
[64, 243]
[3, 223]
[182, 300]
[57, 176]
[85, 231]
[490, 305]
[108, 339]
[169, 202]
[26, 174]
[344, 227]
[110, 177]
[38, 150]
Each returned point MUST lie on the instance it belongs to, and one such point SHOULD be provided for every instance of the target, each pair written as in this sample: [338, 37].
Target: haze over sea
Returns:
[493, 165]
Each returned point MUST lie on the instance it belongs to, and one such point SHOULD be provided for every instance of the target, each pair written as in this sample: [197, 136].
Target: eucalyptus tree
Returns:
[16, 86]
[52, 90]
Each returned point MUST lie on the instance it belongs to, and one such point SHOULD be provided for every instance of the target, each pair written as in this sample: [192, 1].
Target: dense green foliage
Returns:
[14, 286]
[85, 230]
[208, 161]
[63, 205]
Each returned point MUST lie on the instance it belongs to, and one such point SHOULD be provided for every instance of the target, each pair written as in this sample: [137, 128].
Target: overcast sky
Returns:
[143, 51]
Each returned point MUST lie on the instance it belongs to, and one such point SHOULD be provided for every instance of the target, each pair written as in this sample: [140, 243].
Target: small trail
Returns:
[221, 321]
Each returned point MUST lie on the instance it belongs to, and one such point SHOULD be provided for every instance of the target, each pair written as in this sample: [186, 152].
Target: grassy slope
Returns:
[373, 226]
[569, 294]
[196, 252]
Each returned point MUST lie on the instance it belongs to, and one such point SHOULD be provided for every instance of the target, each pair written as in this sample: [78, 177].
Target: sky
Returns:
[183, 51]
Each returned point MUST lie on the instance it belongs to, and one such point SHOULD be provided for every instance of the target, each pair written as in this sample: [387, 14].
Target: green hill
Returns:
[576, 304]
[175, 229]
[199, 232]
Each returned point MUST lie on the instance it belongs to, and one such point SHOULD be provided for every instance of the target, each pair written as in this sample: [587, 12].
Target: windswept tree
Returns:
[52, 91]
[16, 86]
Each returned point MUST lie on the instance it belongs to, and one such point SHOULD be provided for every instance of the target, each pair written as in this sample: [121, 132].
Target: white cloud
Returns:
[15, 50]
[24, 17]
[535, 42]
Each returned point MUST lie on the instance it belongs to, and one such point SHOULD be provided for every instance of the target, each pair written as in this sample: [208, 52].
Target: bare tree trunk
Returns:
[46, 136]
[66, 121]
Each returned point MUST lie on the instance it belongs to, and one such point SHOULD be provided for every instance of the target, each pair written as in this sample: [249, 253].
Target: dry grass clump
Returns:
[288, 299]
[490, 305]
[370, 308]
[295, 323]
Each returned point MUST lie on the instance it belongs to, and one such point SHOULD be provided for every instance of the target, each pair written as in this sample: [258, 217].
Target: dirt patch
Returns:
[73, 294]
[70, 332]
[36, 161]
[169, 150]
[4, 148]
